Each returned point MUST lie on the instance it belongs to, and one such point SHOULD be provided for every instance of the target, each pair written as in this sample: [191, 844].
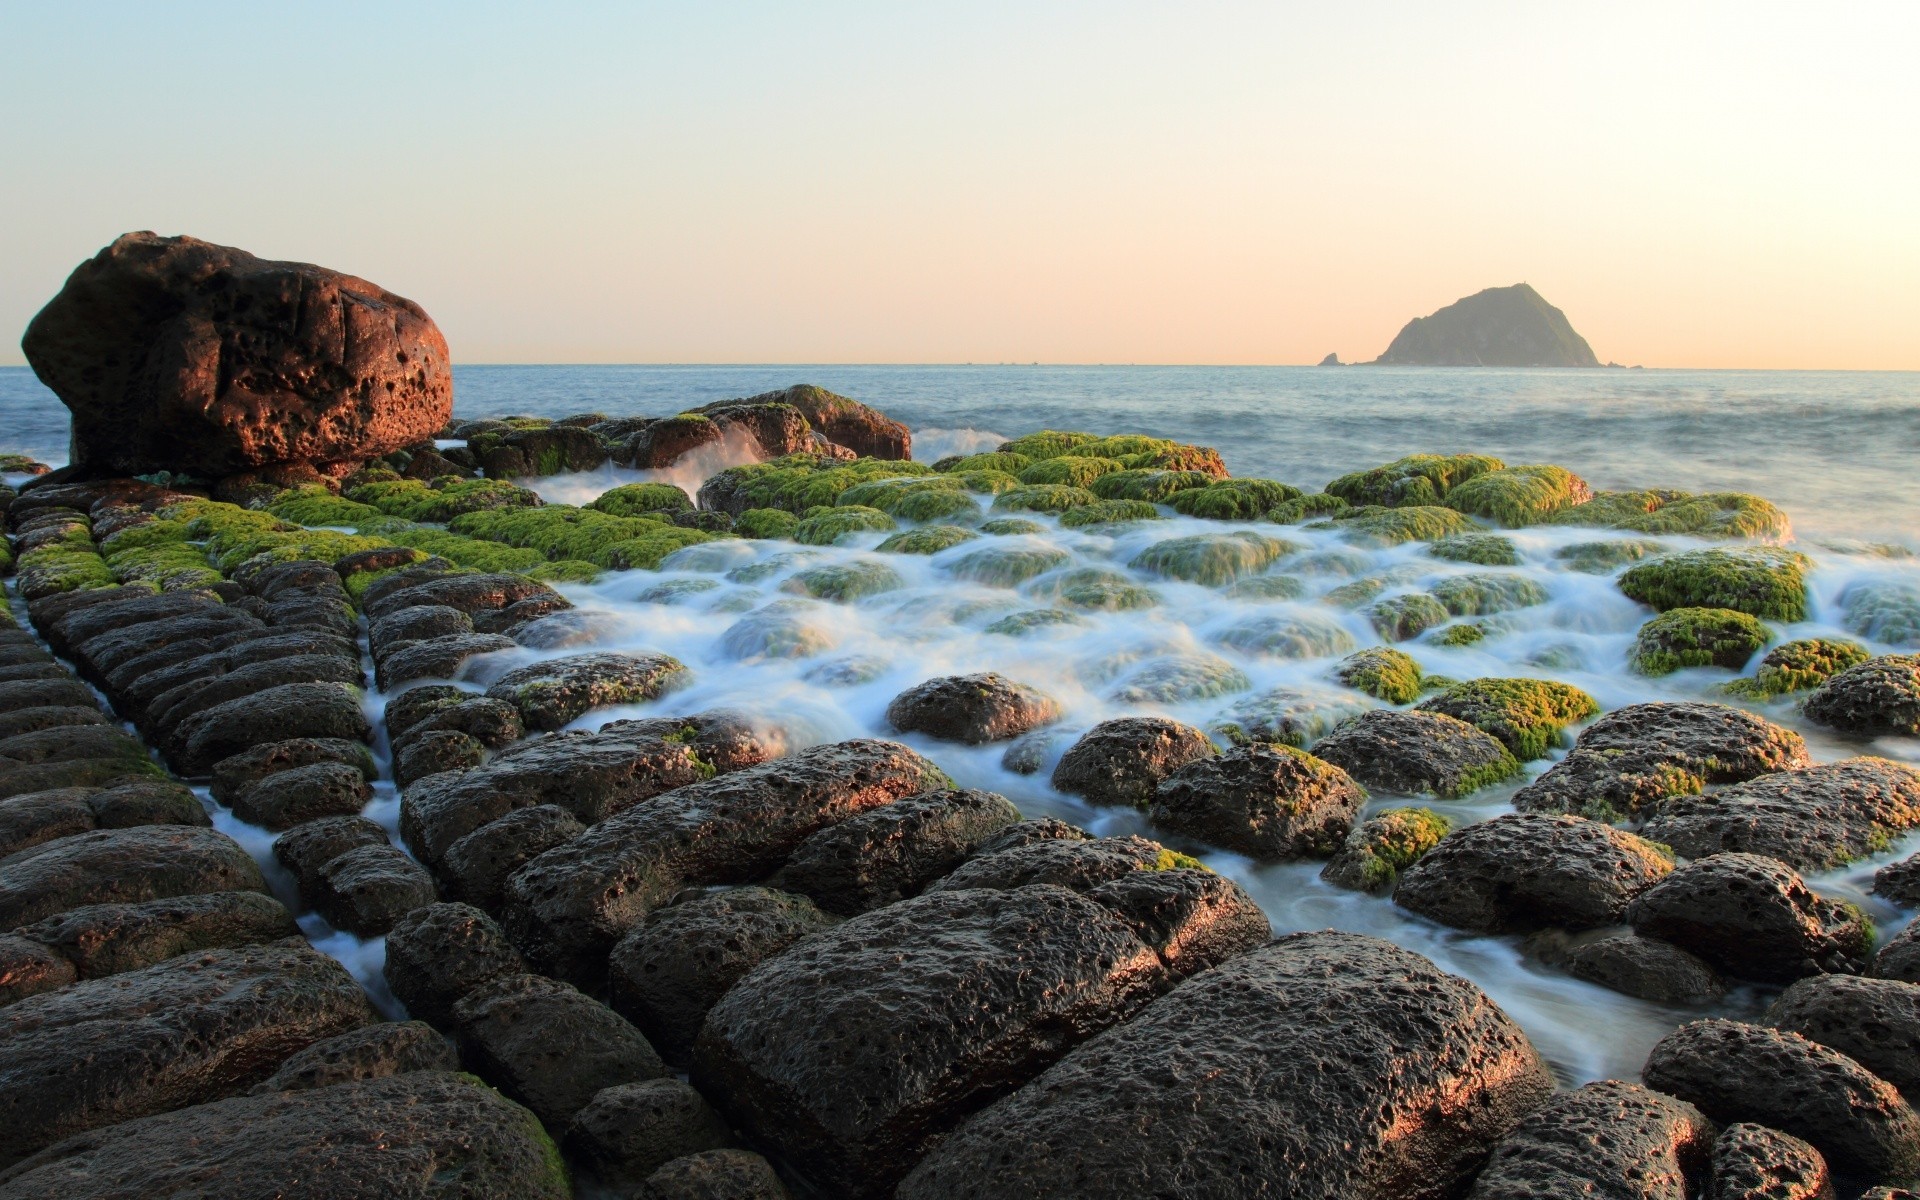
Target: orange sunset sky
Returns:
[1717, 185]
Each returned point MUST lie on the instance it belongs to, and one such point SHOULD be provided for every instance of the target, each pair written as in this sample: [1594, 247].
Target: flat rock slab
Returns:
[372, 1052]
[184, 1032]
[151, 862]
[1347, 1066]
[293, 710]
[425, 1135]
[894, 851]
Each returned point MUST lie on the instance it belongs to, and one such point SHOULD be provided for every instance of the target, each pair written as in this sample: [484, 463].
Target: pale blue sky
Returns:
[1696, 184]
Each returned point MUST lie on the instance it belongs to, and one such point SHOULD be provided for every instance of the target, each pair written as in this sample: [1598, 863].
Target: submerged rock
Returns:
[552, 693]
[1524, 871]
[1340, 1063]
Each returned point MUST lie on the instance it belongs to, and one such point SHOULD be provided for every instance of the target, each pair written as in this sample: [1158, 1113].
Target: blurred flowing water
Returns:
[1835, 450]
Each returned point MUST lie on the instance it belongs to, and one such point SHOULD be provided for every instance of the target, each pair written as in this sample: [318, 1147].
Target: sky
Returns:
[1695, 184]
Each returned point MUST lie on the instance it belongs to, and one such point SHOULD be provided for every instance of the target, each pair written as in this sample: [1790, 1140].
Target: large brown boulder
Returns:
[177, 354]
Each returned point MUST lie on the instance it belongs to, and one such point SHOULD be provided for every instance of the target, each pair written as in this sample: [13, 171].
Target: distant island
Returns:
[1499, 327]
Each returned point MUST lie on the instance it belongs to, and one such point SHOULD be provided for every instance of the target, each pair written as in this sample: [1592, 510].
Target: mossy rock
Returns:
[798, 482]
[52, 569]
[1033, 620]
[1604, 558]
[1150, 485]
[1045, 498]
[1709, 515]
[1393, 526]
[1212, 559]
[1268, 587]
[1011, 527]
[1418, 479]
[561, 531]
[1516, 496]
[1288, 716]
[443, 499]
[1048, 443]
[1355, 592]
[1107, 596]
[1384, 845]
[1305, 508]
[1697, 637]
[1527, 715]
[1049, 587]
[573, 570]
[167, 567]
[1467, 633]
[1007, 566]
[986, 483]
[313, 505]
[1799, 666]
[928, 499]
[1383, 673]
[768, 523]
[1883, 610]
[1481, 549]
[1178, 456]
[1069, 469]
[644, 552]
[1759, 581]
[845, 581]
[1405, 617]
[1483, 595]
[1181, 679]
[1233, 499]
[1295, 635]
[632, 499]
[1125, 445]
[21, 464]
[676, 591]
[1110, 512]
[928, 539]
[469, 552]
[829, 526]
[998, 461]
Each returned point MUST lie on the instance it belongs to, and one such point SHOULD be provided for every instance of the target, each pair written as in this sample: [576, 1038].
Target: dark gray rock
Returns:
[987, 707]
[1753, 918]
[1738, 1072]
[677, 963]
[1268, 802]
[628, 1131]
[368, 888]
[1124, 760]
[1879, 696]
[435, 658]
[108, 939]
[1875, 1022]
[1647, 968]
[1522, 871]
[416, 704]
[306, 849]
[893, 851]
[1752, 1162]
[477, 866]
[1342, 1064]
[375, 1052]
[1634, 758]
[234, 775]
[1413, 752]
[38, 817]
[1192, 918]
[549, 1046]
[301, 794]
[416, 624]
[471, 594]
[1026, 833]
[294, 710]
[492, 723]
[1080, 864]
[1812, 820]
[552, 693]
[28, 968]
[1608, 1140]
[184, 1032]
[1900, 958]
[440, 953]
[117, 866]
[48, 716]
[714, 1175]
[433, 752]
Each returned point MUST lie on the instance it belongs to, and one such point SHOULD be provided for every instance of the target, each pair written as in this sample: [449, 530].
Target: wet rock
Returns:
[367, 889]
[294, 710]
[513, 619]
[114, 609]
[1414, 752]
[566, 908]
[892, 852]
[1026, 833]
[1123, 761]
[45, 693]
[428, 1134]
[1880, 696]
[184, 1032]
[591, 775]
[1192, 918]
[628, 1131]
[552, 693]
[1264, 801]
[1527, 715]
[1754, 918]
[1752, 1162]
[1607, 1139]
[971, 708]
[553, 450]
[1324, 1059]
[439, 953]
[416, 624]
[1080, 864]
[549, 1046]
[1875, 1022]
[977, 989]
[1382, 846]
[34, 818]
[1524, 871]
[289, 798]
[1900, 958]
[150, 693]
[1647, 968]
[471, 594]
[1738, 1072]
[28, 968]
[234, 775]
[436, 658]
[268, 362]
[416, 704]
[306, 849]
[50, 716]
[714, 1175]
[153, 862]
[375, 1052]
[1898, 882]
[863, 430]
[1635, 757]
[677, 963]
[435, 751]
[1814, 819]
[477, 866]
[109, 939]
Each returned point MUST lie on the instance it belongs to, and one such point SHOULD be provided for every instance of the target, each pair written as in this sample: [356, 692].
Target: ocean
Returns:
[1835, 450]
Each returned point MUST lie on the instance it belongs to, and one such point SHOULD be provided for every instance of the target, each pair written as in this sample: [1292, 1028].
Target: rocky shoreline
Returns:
[690, 954]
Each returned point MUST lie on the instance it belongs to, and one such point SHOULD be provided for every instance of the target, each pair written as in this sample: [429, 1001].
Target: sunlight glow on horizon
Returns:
[1700, 184]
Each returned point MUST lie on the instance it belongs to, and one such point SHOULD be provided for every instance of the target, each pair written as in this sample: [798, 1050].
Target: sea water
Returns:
[1834, 450]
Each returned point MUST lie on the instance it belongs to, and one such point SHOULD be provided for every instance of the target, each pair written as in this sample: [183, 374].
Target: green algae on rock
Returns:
[1003, 461]
[1527, 715]
[844, 581]
[928, 539]
[1383, 673]
[1760, 581]
[1044, 498]
[1515, 496]
[1482, 549]
[1374, 525]
[1070, 469]
[1709, 515]
[1697, 637]
[825, 526]
[1484, 595]
[1233, 499]
[1883, 610]
[1292, 635]
[1032, 620]
[1212, 559]
[1604, 558]
[774, 524]
[1109, 512]
[1181, 678]
[417, 501]
[1007, 566]
[1048, 443]
[798, 482]
[1268, 587]
[1319, 504]
[1109, 596]
[1153, 485]
[1417, 479]
[1405, 617]
[1382, 846]
[1797, 666]
[632, 499]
